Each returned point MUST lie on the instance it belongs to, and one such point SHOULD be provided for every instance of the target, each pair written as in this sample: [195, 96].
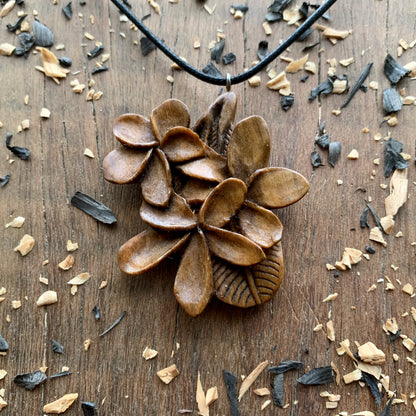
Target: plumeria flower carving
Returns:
[217, 212]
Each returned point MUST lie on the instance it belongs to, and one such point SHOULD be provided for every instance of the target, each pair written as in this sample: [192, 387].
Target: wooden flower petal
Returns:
[223, 202]
[125, 165]
[195, 191]
[181, 144]
[214, 128]
[177, 216]
[147, 249]
[193, 283]
[276, 187]
[249, 147]
[233, 247]
[171, 113]
[260, 225]
[157, 183]
[134, 130]
[249, 286]
[213, 167]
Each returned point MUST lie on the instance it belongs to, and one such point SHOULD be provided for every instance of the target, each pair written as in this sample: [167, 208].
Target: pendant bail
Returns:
[228, 82]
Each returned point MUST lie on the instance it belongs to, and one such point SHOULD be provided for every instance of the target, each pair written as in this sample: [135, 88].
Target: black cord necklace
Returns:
[228, 80]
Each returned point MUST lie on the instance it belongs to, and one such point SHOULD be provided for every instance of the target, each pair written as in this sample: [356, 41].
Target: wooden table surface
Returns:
[112, 373]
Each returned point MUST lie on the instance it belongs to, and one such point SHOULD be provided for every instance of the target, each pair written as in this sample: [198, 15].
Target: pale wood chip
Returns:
[411, 66]
[16, 222]
[26, 245]
[88, 36]
[251, 378]
[374, 370]
[395, 357]
[60, 405]
[3, 373]
[297, 65]
[87, 344]
[26, 99]
[43, 280]
[331, 405]
[330, 331]
[103, 284]
[3, 291]
[333, 34]
[168, 373]
[264, 391]
[7, 8]
[391, 325]
[47, 298]
[51, 65]
[3, 403]
[409, 100]
[387, 223]
[337, 373]
[70, 246]
[409, 344]
[212, 395]
[340, 86]
[16, 304]
[203, 409]
[408, 289]
[377, 236]
[413, 313]
[330, 266]
[332, 296]
[398, 192]
[78, 89]
[74, 290]
[6, 49]
[318, 328]
[97, 95]
[364, 413]
[346, 62]
[340, 266]
[353, 376]
[67, 263]
[310, 67]
[170, 79]
[89, 153]
[345, 345]
[197, 43]
[369, 353]
[353, 154]
[267, 28]
[254, 81]
[80, 279]
[45, 113]
[149, 354]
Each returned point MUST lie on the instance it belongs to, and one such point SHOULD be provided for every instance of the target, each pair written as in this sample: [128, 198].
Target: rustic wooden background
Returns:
[113, 373]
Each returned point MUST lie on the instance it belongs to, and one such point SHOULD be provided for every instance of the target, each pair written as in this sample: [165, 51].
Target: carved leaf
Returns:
[134, 130]
[249, 147]
[177, 216]
[276, 187]
[181, 144]
[249, 286]
[147, 249]
[214, 127]
[260, 225]
[193, 283]
[195, 191]
[157, 182]
[125, 165]
[171, 113]
[233, 247]
[223, 202]
[213, 167]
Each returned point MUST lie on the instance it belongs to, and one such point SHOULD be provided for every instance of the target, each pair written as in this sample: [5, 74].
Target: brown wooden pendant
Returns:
[207, 194]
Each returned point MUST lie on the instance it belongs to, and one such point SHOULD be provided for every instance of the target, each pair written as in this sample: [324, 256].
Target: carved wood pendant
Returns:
[207, 193]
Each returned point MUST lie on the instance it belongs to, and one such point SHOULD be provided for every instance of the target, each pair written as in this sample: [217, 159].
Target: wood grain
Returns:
[112, 373]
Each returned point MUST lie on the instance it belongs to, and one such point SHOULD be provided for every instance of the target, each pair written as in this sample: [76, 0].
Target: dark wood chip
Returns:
[278, 389]
[93, 208]
[30, 380]
[316, 376]
[65, 62]
[217, 50]
[324, 88]
[334, 152]
[391, 100]
[4, 346]
[97, 51]
[241, 7]
[364, 218]
[278, 6]
[287, 101]
[285, 366]
[305, 34]
[272, 17]
[15, 26]
[229, 58]
[387, 410]
[393, 70]
[127, 4]
[304, 78]
[375, 216]
[4, 180]
[323, 141]
[392, 157]
[89, 409]
[116, 322]
[304, 9]
[61, 374]
[42, 34]
[27, 41]
[370, 250]
[316, 159]
[230, 381]
[358, 84]
[393, 337]
[311, 46]
[212, 70]
[371, 383]
[67, 11]
[97, 312]
[57, 347]
[99, 69]
[146, 45]
[262, 50]
[21, 152]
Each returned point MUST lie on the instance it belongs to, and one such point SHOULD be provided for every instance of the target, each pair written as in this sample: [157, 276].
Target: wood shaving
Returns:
[149, 354]
[310, 67]
[408, 289]
[296, 66]
[374, 370]
[16, 222]
[238, 15]
[353, 376]
[331, 405]
[97, 95]
[409, 344]
[87, 344]
[3, 373]
[212, 395]
[264, 391]
[45, 113]
[7, 8]
[78, 89]
[43, 280]
[70, 246]
[254, 81]
[332, 296]
[330, 331]
[210, 10]
[89, 153]
[265, 404]
[251, 378]
[67, 263]
[333, 33]
[267, 28]
[197, 43]
[80, 279]
[3, 403]
[51, 66]
[25, 124]
[353, 155]
[47, 298]
[377, 236]
[203, 409]
[16, 304]
[391, 325]
[347, 62]
[88, 36]
[398, 192]
[279, 82]
[340, 86]
[168, 373]
[369, 353]
[387, 223]
[103, 284]
[6, 49]
[26, 245]
[61, 405]
[74, 290]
